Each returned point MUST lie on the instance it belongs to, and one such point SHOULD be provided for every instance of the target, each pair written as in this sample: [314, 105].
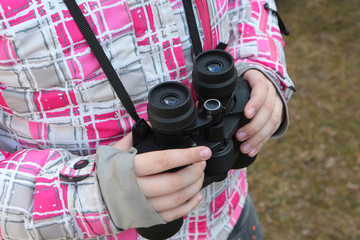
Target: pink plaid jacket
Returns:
[57, 106]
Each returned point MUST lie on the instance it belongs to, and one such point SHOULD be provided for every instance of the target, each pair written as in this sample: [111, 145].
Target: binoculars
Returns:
[178, 123]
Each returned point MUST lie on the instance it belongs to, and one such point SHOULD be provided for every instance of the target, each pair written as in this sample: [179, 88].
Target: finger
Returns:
[125, 143]
[260, 119]
[259, 89]
[159, 161]
[258, 140]
[278, 114]
[176, 199]
[167, 183]
[254, 144]
[184, 209]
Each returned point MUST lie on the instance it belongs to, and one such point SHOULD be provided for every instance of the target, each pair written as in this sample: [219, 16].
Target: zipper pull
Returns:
[282, 26]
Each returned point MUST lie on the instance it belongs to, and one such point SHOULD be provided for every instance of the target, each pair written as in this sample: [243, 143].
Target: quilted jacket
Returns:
[57, 106]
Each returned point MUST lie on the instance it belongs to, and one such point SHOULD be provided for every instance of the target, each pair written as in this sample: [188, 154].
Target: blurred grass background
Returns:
[306, 185]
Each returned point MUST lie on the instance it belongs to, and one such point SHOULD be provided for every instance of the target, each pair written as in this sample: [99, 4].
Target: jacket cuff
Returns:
[242, 68]
[126, 204]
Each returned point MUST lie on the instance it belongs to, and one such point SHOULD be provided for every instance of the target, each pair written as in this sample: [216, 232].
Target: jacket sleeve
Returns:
[256, 43]
[52, 194]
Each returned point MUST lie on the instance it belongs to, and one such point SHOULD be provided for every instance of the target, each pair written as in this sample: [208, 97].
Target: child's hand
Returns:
[265, 109]
[172, 194]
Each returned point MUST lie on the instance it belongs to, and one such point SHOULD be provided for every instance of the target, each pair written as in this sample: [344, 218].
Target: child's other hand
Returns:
[265, 109]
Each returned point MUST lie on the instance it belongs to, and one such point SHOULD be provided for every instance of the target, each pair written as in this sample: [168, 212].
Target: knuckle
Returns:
[275, 117]
[163, 160]
[278, 115]
[176, 182]
[199, 169]
[193, 205]
[179, 215]
[193, 154]
[274, 120]
[199, 182]
[269, 106]
[265, 84]
[180, 198]
[252, 128]
[166, 217]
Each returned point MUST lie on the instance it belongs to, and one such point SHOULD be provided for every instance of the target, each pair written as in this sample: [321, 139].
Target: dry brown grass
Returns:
[306, 185]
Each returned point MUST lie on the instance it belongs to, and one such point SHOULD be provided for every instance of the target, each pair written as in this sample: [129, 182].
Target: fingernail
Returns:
[251, 112]
[205, 153]
[245, 147]
[203, 163]
[253, 152]
[241, 136]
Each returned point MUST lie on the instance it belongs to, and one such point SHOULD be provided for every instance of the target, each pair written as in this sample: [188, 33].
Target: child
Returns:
[68, 171]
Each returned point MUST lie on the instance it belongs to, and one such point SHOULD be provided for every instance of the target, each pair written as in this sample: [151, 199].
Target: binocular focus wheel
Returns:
[219, 161]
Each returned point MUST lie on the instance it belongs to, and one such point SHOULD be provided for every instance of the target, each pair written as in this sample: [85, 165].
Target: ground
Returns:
[306, 185]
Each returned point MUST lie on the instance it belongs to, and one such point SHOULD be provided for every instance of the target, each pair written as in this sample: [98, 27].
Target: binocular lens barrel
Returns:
[214, 75]
[171, 108]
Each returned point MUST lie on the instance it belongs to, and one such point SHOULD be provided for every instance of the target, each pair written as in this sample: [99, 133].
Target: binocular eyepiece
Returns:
[177, 123]
[171, 109]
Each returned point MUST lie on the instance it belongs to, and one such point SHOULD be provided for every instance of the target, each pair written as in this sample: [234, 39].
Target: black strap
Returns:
[103, 60]
[194, 33]
[191, 21]
[105, 63]
[141, 129]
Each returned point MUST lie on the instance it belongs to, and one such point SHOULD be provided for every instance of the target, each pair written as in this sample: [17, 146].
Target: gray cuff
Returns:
[241, 68]
[127, 206]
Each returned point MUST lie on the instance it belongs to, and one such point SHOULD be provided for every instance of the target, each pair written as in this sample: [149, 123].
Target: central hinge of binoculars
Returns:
[140, 131]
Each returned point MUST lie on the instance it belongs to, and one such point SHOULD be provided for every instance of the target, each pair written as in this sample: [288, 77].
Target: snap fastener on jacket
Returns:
[81, 164]
[76, 172]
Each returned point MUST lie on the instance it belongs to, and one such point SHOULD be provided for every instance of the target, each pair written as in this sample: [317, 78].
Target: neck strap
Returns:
[194, 32]
[100, 55]
[141, 129]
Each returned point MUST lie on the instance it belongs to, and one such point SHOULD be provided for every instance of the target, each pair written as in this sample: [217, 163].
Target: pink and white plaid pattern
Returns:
[57, 106]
